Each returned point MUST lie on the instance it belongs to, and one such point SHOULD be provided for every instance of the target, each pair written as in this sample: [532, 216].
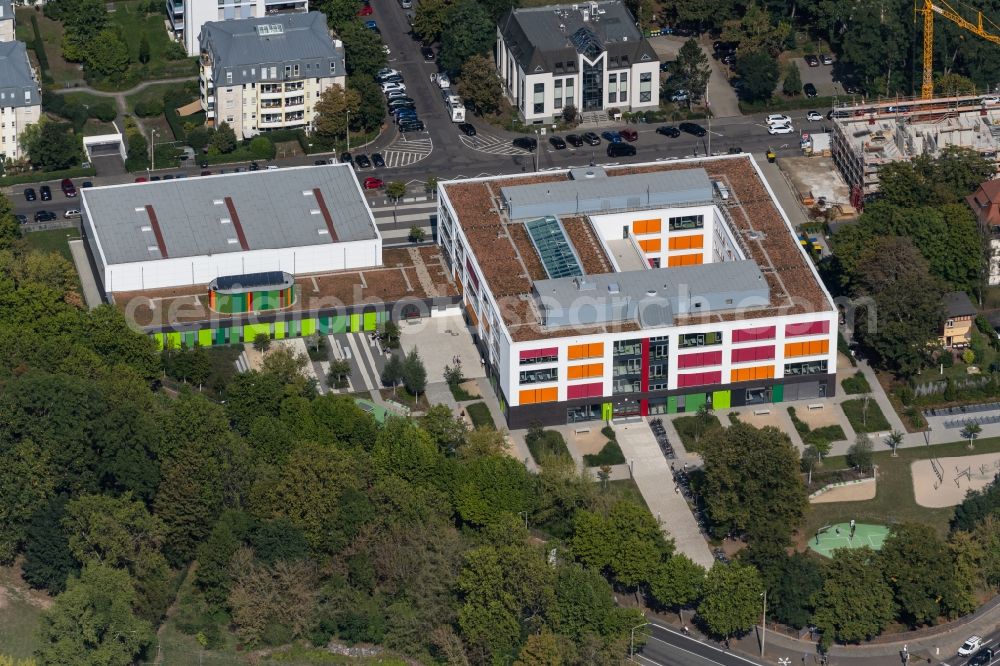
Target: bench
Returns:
[816, 405]
[761, 412]
[581, 431]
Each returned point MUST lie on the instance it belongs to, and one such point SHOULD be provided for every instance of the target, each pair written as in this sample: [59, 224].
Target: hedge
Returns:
[787, 104]
[44, 176]
[39, 48]
[611, 454]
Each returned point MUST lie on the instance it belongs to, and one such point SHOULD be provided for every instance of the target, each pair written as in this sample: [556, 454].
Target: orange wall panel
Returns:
[751, 374]
[588, 370]
[646, 226]
[793, 349]
[592, 350]
[684, 260]
[651, 245]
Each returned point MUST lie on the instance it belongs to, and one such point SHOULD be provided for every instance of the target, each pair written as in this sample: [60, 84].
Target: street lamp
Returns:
[763, 624]
[348, 128]
[152, 150]
[631, 640]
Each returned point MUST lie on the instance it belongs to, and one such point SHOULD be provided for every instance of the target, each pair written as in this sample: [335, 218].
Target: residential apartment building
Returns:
[960, 318]
[20, 97]
[6, 20]
[267, 73]
[597, 293]
[589, 55]
[186, 17]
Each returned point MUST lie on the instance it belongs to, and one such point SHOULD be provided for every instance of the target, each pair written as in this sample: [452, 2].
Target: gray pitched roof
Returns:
[7, 10]
[273, 209]
[957, 304]
[243, 47]
[540, 37]
[18, 86]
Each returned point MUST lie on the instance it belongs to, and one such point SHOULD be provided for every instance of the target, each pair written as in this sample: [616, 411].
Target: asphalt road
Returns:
[666, 647]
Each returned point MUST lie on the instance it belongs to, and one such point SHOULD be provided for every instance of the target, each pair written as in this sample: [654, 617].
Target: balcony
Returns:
[295, 101]
[294, 87]
[271, 120]
[296, 117]
[270, 104]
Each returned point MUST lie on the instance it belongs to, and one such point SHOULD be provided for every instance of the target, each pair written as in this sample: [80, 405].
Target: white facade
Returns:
[186, 17]
[13, 120]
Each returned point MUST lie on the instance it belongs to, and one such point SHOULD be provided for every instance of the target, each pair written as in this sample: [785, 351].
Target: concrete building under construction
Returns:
[868, 136]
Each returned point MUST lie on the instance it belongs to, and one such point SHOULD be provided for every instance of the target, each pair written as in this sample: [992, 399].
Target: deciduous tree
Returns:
[332, 109]
[470, 32]
[758, 73]
[693, 68]
[677, 583]
[480, 85]
[731, 599]
[856, 601]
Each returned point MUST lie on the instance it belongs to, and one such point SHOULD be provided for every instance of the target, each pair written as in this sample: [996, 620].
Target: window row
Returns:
[699, 339]
[750, 374]
[793, 349]
[592, 390]
[806, 368]
[808, 328]
[651, 245]
[755, 334]
[646, 226]
[686, 222]
[684, 260]
[628, 348]
[699, 378]
[592, 350]
[584, 371]
[547, 355]
[539, 376]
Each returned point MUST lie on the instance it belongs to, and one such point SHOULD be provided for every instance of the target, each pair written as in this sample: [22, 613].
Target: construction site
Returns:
[866, 137]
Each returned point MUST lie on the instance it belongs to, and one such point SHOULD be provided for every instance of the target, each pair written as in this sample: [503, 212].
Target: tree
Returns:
[790, 598]
[755, 33]
[922, 574]
[392, 372]
[977, 506]
[144, 49]
[856, 601]
[987, 537]
[396, 190]
[908, 304]
[731, 599]
[860, 454]
[108, 55]
[678, 582]
[810, 458]
[444, 428]
[414, 375]
[84, 20]
[480, 85]
[371, 110]
[470, 32]
[895, 438]
[693, 69]
[792, 85]
[430, 20]
[27, 481]
[752, 482]
[93, 622]
[262, 342]
[48, 561]
[875, 42]
[970, 431]
[545, 649]
[365, 55]
[54, 147]
[416, 234]
[339, 372]
[331, 112]
[953, 85]
[758, 73]
[224, 139]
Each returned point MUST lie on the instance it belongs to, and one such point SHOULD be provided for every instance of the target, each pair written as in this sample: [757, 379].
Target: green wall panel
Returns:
[693, 402]
[308, 327]
[223, 302]
[778, 393]
[324, 325]
[189, 338]
[383, 316]
[721, 400]
[205, 337]
[173, 340]
[279, 330]
[355, 323]
[251, 331]
[607, 411]
[234, 334]
[672, 404]
[338, 324]
[221, 335]
[371, 321]
[158, 338]
[266, 300]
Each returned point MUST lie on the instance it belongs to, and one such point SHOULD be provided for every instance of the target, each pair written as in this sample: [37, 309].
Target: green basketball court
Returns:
[839, 536]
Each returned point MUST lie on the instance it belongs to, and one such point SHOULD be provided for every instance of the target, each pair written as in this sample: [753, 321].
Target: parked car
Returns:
[574, 140]
[254, 166]
[395, 102]
[372, 183]
[557, 142]
[366, 10]
[362, 161]
[970, 645]
[378, 161]
[141, 179]
[442, 80]
[385, 72]
[814, 116]
[45, 216]
[810, 90]
[777, 119]
[837, 113]
[692, 128]
[780, 129]
[528, 143]
[72, 212]
[372, 25]
[404, 114]
[826, 58]
[393, 87]
[611, 136]
[21, 219]
[428, 53]
[728, 59]
[85, 184]
[46, 192]
[346, 158]
[982, 658]
[406, 4]
[620, 150]
[812, 61]
[629, 135]
[29, 194]
[392, 78]
[668, 130]
[591, 139]
[411, 125]
[989, 100]
[206, 172]
[467, 129]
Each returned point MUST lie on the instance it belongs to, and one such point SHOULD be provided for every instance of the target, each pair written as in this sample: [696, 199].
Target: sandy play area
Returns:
[817, 418]
[933, 492]
[856, 492]
[760, 420]
[585, 443]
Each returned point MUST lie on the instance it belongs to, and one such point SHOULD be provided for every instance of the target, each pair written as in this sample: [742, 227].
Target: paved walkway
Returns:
[655, 481]
[91, 294]
[720, 95]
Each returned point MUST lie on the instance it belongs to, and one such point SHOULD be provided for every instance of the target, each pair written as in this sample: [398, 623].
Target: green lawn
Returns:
[894, 500]
[625, 489]
[873, 421]
[18, 615]
[480, 415]
[693, 429]
[88, 99]
[53, 240]
[52, 34]
[154, 92]
[134, 23]
[856, 385]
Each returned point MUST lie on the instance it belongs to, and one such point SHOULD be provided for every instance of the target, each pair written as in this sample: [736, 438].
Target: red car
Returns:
[140, 179]
[68, 188]
[372, 183]
[365, 11]
[629, 135]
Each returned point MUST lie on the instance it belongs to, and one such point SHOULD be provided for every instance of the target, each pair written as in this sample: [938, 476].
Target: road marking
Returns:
[693, 654]
[708, 645]
[485, 143]
[403, 152]
[361, 363]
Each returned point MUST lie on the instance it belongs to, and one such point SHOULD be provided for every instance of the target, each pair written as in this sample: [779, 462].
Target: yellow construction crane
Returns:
[943, 9]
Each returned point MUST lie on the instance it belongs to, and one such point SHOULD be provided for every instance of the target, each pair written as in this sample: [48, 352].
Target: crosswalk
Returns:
[403, 151]
[493, 145]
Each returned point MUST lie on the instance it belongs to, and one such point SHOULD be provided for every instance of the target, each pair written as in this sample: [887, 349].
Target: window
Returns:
[539, 100]
[686, 222]
[646, 87]
[548, 355]
[558, 102]
[295, 70]
[806, 368]
[626, 386]
[699, 360]
[699, 378]
[752, 374]
[627, 348]
[950, 323]
[593, 390]
[793, 349]
[592, 350]
[659, 347]
[699, 339]
[657, 370]
[569, 96]
[229, 78]
[585, 371]
[539, 376]
[623, 87]
[288, 71]
[612, 88]
[748, 354]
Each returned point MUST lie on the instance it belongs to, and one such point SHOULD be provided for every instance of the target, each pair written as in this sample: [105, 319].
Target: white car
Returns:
[814, 116]
[386, 49]
[780, 129]
[989, 100]
[72, 212]
[777, 119]
[386, 72]
[442, 80]
[969, 646]
[395, 94]
[679, 96]
[393, 87]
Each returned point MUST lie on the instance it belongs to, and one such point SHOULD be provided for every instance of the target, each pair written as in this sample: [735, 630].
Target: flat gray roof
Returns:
[597, 193]
[654, 296]
[18, 86]
[282, 208]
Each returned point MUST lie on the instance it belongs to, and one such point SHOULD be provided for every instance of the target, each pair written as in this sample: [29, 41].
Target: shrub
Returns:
[609, 432]
[105, 112]
[856, 384]
[147, 108]
[546, 443]
[262, 148]
[480, 415]
[611, 454]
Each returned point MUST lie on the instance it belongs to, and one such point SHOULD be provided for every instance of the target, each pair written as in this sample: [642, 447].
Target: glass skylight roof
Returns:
[587, 43]
[557, 255]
